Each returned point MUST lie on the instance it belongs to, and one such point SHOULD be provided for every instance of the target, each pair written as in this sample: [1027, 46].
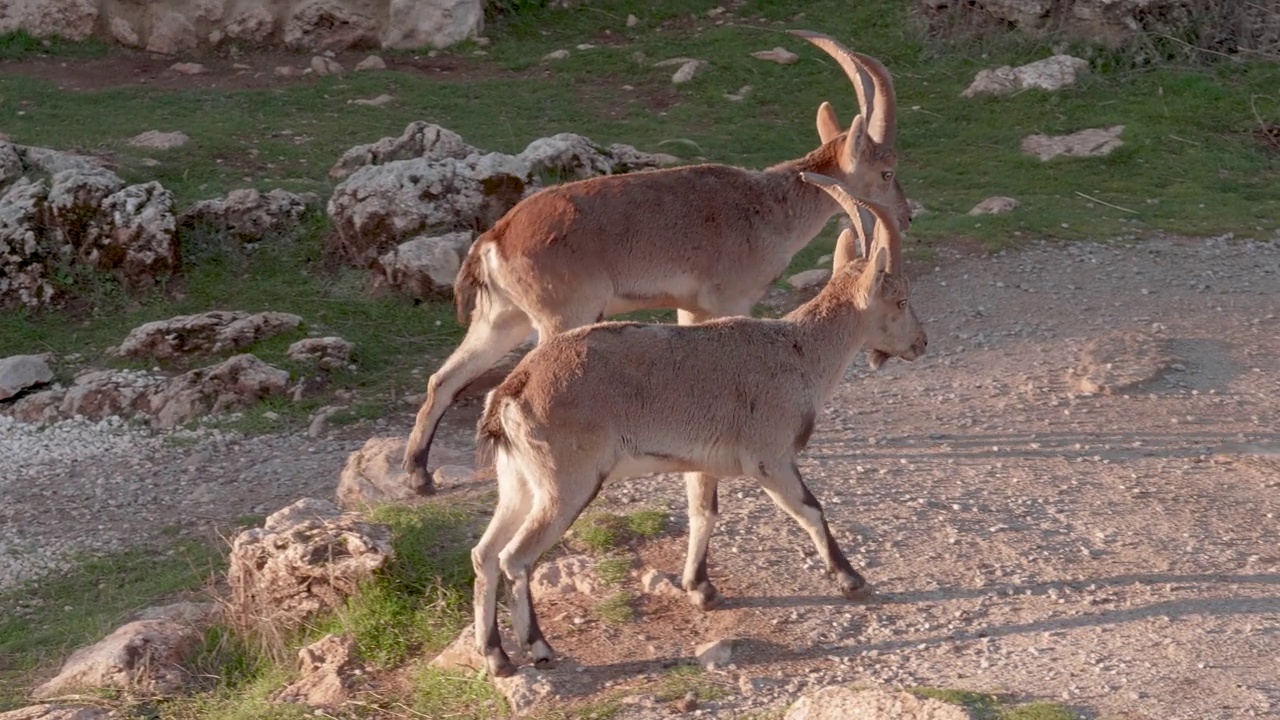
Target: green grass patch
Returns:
[22, 45]
[614, 569]
[993, 707]
[617, 609]
[423, 598]
[454, 694]
[647, 524]
[601, 533]
[41, 622]
[685, 678]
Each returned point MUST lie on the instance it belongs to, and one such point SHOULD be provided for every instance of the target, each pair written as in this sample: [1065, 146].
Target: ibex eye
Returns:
[902, 304]
[887, 175]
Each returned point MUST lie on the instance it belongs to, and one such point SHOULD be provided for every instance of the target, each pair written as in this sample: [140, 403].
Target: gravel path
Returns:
[1115, 552]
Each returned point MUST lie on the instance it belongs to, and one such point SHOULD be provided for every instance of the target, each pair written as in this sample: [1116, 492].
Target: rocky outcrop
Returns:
[209, 333]
[305, 559]
[145, 654]
[326, 353]
[235, 383]
[58, 712]
[250, 215]
[65, 213]
[373, 475]
[177, 26]
[428, 180]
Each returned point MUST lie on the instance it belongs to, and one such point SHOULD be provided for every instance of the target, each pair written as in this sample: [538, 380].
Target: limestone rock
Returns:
[172, 32]
[326, 353]
[461, 653]
[305, 559]
[526, 689]
[780, 55]
[145, 654]
[373, 475]
[687, 72]
[424, 267]
[1051, 74]
[995, 205]
[846, 703]
[326, 672]
[68, 19]
[419, 140]
[94, 395]
[1094, 142]
[209, 333]
[330, 25]
[253, 24]
[188, 68]
[373, 62]
[716, 654]
[157, 140]
[1121, 361]
[810, 279]
[139, 242]
[565, 575]
[20, 372]
[237, 382]
[58, 712]
[432, 23]
[249, 214]
[657, 582]
[372, 102]
[321, 65]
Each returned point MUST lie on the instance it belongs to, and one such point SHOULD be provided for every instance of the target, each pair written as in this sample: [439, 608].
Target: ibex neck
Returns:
[830, 331]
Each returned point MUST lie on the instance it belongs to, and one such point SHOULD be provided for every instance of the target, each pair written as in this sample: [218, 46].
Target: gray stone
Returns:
[564, 576]
[715, 654]
[1050, 74]
[20, 372]
[326, 353]
[420, 139]
[235, 383]
[780, 55]
[157, 140]
[373, 62]
[995, 205]
[321, 65]
[326, 673]
[687, 71]
[251, 215]
[1094, 142]
[432, 23]
[58, 712]
[810, 279]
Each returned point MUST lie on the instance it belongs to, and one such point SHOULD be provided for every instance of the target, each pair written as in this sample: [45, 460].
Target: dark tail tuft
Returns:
[470, 283]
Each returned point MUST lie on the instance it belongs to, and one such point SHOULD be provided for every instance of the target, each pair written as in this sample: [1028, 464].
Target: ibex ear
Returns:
[857, 137]
[846, 251]
[828, 123]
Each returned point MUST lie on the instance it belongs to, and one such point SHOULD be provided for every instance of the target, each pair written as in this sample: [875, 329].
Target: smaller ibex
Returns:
[729, 397]
[705, 240]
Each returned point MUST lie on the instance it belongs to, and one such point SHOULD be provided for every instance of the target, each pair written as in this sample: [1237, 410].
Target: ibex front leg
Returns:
[704, 507]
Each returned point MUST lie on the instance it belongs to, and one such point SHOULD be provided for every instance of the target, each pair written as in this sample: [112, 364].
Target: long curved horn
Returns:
[886, 231]
[882, 123]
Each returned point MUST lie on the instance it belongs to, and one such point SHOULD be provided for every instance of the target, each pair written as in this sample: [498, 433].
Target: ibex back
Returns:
[706, 240]
[733, 396]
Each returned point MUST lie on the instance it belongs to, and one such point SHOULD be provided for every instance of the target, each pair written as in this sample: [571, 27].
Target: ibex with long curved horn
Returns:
[729, 397]
[706, 240]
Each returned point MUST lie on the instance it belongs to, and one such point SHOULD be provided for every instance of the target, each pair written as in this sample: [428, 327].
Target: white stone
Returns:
[780, 55]
[995, 205]
[158, 140]
[1050, 74]
[1094, 142]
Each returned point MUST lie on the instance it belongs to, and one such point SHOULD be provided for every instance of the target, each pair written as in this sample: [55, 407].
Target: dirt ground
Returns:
[1116, 551]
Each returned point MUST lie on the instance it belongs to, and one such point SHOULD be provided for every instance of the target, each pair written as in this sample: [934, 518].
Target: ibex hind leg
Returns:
[704, 508]
[513, 506]
[788, 490]
[491, 335]
[545, 523]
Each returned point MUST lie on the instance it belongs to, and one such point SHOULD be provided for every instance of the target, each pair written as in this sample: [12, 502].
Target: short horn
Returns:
[886, 228]
[882, 121]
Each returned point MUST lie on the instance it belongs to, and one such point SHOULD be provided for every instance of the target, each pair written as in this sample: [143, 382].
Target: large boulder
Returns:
[439, 190]
[840, 702]
[332, 25]
[208, 333]
[326, 353]
[249, 214]
[144, 654]
[50, 711]
[70, 19]
[93, 395]
[20, 372]
[373, 475]
[306, 558]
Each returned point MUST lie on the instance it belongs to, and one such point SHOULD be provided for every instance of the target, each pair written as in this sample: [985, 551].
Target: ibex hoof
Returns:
[705, 597]
[500, 665]
[420, 481]
[858, 591]
[545, 664]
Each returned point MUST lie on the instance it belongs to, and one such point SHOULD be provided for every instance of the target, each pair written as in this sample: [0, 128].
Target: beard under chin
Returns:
[876, 358]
